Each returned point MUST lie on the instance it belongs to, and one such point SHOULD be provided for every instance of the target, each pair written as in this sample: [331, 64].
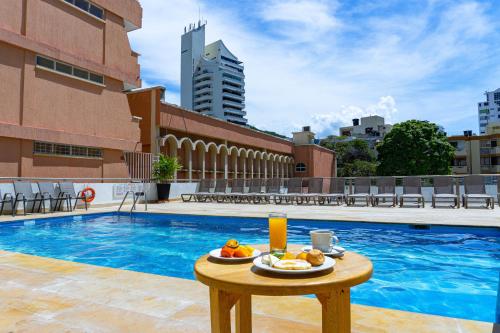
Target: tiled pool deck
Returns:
[47, 295]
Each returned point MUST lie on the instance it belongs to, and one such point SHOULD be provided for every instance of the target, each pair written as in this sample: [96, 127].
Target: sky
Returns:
[322, 63]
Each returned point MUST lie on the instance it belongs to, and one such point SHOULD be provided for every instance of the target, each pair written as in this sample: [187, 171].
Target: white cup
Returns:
[323, 240]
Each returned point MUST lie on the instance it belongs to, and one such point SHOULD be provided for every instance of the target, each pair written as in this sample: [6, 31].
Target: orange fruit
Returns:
[288, 256]
[242, 252]
[302, 255]
[227, 252]
[233, 243]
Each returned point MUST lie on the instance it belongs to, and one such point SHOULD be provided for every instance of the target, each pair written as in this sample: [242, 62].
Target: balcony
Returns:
[461, 153]
[233, 81]
[203, 98]
[203, 90]
[206, 104]
[235, 112]
[233, 105]
[238, 120]
[234, 96]
[459, 170]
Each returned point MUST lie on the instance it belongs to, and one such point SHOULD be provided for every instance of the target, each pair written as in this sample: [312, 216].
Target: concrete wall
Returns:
[17, 160]
[319, 161]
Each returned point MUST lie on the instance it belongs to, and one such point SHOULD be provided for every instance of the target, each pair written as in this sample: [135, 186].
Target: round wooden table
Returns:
[234, 283]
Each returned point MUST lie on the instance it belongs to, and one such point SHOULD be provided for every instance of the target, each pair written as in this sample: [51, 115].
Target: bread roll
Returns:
[315, 257]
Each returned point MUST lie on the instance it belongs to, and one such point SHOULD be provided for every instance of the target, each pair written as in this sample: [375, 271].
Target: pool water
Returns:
[448, 271]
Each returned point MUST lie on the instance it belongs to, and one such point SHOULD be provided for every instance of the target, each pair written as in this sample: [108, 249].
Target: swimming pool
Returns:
[443, 270]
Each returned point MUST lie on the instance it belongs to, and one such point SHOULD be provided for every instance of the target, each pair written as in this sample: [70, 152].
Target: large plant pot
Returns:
[163, 191]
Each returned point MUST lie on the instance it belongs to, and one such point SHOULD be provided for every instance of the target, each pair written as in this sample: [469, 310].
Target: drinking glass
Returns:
[277, 233]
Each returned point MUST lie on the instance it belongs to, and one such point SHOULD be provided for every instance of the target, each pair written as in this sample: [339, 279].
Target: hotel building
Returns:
[489, 111]
[63, 67]
[212, 79]
[72, 106]
[477, 154]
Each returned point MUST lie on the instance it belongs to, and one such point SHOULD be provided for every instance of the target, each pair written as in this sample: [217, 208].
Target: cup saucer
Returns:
[334, 252]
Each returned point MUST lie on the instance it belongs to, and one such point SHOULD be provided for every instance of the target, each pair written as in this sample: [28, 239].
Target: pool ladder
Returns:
[136, 196]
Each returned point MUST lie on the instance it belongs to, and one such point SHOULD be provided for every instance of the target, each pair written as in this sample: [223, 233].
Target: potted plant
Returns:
[163, 171]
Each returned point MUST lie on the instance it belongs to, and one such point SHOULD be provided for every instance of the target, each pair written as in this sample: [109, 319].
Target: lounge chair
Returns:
[237, 191]
[475, 189]
[498, 191]
[294, 192]
[6, 198]
[24, 193]
[361, 191]
[314, 191]
[443, 191]
[219, 191]
[68, 191]
[336, 191]
[412, 189]
[254, 190]
[386, 188]
[271, 191]
[201, 192]
[55, 196]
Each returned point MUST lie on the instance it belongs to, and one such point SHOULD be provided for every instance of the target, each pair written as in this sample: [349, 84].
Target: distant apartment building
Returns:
[212, 79]
[477, 154]
[371, 129]
[489, 111]
[63, 68]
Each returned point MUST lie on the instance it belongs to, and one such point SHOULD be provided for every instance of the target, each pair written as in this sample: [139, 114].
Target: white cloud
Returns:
[309, 63]
[329, 123]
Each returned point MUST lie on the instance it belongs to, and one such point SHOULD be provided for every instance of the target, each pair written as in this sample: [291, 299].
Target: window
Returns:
[44, 62]
[88, 7]
[63, 68]
[496, 96]
[67, 69]
[233, 77]
[300, 167]
[493, 143]
[47, 148]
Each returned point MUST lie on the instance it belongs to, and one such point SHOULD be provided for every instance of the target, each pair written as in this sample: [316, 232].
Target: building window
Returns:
[496, 96]
[88, 7]
[300, 167]
[69, 70]
[47, 148]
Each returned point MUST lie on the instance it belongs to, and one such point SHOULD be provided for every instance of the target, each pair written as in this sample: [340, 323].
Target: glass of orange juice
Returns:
[277, 233]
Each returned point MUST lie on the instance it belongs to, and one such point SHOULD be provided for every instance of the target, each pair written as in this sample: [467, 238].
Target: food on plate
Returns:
[269, 260]
[288, 256]
[233, 243]
[315, 257]
[242, 252]
[227, 252]
[302, 255]
[292, 264]
[233, 249]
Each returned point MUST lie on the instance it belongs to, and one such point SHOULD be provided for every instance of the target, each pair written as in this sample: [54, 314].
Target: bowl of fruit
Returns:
[234, 251]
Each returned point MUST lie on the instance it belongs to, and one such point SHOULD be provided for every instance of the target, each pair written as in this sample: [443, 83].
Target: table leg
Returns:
[244, 314]
[221, 303]
[336, 311]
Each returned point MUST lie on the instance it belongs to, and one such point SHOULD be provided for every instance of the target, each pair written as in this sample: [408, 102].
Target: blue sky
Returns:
[322, 63]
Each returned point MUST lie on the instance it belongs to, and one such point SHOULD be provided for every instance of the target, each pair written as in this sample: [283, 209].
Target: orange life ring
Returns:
[89, 197]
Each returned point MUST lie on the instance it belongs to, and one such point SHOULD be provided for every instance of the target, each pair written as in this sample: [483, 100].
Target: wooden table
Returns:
[234, 284]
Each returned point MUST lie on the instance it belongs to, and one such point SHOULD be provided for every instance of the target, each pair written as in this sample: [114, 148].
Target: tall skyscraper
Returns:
[489, 111]
[212, 79]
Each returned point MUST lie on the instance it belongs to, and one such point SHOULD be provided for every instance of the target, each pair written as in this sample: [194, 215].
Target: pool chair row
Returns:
[55, 195]
[300, 191]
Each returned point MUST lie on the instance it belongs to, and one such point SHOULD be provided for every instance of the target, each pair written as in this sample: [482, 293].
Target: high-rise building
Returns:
[212, 79]
[489, 111]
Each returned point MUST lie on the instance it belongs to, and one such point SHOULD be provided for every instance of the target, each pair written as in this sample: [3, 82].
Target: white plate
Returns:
[335, 253]
[329, 263]
[216, 254]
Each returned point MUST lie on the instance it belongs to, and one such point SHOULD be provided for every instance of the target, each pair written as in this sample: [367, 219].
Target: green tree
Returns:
[354, 158]
[415, 147]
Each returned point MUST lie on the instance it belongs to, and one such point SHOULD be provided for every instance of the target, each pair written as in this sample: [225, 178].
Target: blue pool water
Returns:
[444, 271]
